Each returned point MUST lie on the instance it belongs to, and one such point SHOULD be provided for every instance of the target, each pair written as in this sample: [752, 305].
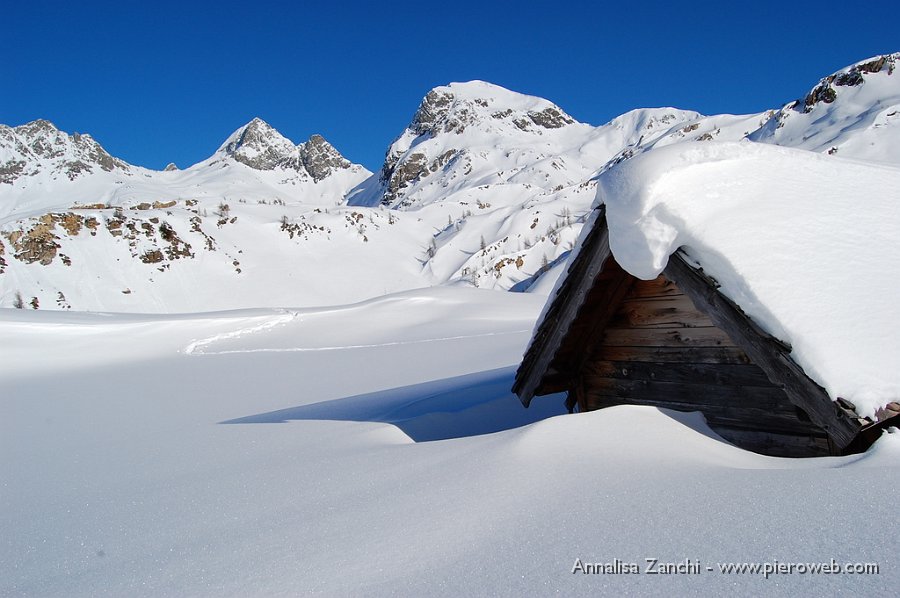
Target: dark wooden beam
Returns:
[551, 332]
[602, 306]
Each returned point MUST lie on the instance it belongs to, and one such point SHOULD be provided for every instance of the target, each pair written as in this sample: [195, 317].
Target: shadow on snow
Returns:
[468, 405]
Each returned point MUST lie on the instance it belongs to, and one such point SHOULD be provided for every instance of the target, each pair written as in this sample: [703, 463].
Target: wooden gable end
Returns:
[658, 349]
[676, 342]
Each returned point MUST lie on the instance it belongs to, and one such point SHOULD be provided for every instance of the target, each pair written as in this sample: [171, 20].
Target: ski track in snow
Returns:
[196, 347]
[192, 349]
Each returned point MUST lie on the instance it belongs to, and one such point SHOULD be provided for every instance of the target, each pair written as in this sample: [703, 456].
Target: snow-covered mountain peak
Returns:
[258, 145]
[647, 121]
[453, 108]
[38, 146]
[454, 140]
[261, 147]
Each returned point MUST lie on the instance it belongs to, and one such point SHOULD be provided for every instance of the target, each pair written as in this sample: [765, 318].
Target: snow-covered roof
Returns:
[805, 244]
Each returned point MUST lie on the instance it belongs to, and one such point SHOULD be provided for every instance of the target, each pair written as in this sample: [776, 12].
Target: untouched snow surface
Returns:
[806, 244]
[370, 450]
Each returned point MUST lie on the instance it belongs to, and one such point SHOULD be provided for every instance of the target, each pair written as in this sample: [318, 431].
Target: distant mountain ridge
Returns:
[24, 149]
[43, 168]
[485, 187]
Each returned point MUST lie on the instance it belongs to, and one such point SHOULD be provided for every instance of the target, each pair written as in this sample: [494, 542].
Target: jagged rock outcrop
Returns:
[259, 146]
[320, 158]
[850, 77]
[854, 112]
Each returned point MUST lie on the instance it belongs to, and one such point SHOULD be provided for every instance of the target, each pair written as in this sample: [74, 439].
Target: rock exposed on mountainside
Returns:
[259, 146]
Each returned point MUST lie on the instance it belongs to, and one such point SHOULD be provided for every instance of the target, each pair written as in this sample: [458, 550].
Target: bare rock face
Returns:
[432, 112]
[550, 118]
[38, 243]
[170, 167]
[320, 158]
[413, 167]
[259, 146]
[11, 170]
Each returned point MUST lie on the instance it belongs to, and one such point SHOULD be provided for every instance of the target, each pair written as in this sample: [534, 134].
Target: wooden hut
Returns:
[609, 338]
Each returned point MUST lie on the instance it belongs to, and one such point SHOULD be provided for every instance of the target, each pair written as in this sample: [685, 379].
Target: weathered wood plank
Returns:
[601, 304]
[676, 311]
[747, 418]
[769, 397]
[666, 337]
[658, 287]
[692, 373]
[725, 355]
[772, 356]
[776, 445]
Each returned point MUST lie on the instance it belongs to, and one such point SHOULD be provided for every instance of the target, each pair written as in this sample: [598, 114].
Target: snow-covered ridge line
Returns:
[44, 169]
[484, 188]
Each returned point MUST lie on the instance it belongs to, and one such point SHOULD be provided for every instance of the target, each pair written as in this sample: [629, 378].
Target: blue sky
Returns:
[168, 81]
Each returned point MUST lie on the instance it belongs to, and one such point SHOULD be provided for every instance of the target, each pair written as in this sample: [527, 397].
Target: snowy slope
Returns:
[80, 229]
[293, 452]
[853, 113]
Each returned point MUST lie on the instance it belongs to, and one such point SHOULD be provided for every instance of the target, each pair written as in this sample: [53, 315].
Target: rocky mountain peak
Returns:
[36, 128]
[453, 119]
[43, 139]
[455, 107]
[258, 145]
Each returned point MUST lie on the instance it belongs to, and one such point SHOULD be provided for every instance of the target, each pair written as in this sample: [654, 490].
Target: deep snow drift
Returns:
[286, 452]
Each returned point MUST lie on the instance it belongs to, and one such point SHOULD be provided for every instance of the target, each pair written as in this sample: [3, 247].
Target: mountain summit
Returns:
[260, 146]
[455, 107]
[456, 134]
